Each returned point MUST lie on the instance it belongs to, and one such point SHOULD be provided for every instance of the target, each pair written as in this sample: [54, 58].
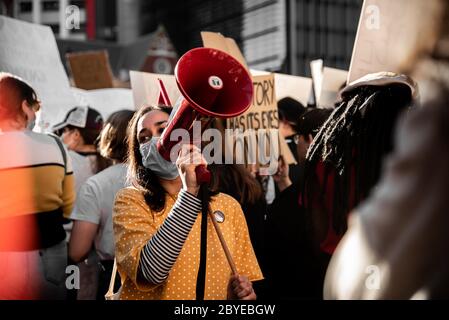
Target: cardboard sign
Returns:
[145, 88]
[105, 101]
[30, 52]
[298, 88]
[263, 112]
[391, 33]
[333, 81]
[90, 70]
[228, 45]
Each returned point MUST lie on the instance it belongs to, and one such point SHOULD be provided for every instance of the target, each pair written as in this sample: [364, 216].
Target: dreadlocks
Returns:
[351, 145]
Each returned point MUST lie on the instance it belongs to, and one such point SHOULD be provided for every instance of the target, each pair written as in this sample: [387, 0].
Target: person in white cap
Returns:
[79, 132]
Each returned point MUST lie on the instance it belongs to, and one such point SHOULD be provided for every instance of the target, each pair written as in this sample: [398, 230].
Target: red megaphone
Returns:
[213, 84]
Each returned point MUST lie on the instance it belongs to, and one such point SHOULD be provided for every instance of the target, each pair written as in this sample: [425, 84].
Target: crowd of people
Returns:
[361, 215]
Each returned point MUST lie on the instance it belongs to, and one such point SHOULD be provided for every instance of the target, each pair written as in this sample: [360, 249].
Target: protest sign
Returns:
[105, 101]
[391, 33]
[228, 45]
[30, 52]
[91, 69]
[333, 81]
[316, 70]
[263, 112]
[145, 88]
[298, 88]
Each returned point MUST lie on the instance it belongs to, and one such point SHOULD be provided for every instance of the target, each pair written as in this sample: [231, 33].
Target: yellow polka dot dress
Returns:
[135, 224]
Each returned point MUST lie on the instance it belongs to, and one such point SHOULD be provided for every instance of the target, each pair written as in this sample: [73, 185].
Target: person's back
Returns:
[98, 194]
[36, 190]
[32, 180]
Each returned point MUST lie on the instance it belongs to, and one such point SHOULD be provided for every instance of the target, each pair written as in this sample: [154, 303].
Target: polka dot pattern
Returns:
[135, 224]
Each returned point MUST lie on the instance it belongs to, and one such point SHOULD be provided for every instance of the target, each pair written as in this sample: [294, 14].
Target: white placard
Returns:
[145, 88]
[105, 101]
[333, 81]
[298, 88]
[30, 52]
[316, 69]
[391, 33]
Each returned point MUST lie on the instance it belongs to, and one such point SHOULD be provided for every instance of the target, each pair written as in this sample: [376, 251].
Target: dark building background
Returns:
[315, 29]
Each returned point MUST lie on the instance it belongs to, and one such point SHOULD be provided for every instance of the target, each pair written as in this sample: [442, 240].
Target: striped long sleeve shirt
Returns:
[160, 253]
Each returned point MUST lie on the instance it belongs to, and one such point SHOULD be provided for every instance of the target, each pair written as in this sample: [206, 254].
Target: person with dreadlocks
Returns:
[344, 160]
[399, 234]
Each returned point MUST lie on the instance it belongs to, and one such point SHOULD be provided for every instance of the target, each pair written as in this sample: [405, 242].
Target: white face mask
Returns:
[152, 160]
[31, 123]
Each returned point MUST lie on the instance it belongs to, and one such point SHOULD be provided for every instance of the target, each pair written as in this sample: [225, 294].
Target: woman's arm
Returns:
[160, 253]
[81, 239]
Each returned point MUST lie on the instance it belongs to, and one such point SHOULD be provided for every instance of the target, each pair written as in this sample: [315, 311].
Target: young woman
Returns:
[160, 248]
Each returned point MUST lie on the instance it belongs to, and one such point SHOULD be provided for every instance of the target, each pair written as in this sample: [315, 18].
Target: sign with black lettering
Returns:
[298, 88]
[263, 113]
[30, 52]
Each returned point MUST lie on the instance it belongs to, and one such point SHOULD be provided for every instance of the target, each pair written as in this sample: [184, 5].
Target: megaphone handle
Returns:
[202, 174]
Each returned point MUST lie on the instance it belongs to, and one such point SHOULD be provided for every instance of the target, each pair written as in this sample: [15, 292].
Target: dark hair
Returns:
[290, 110]
[13, 90]
[352, 144]
[140, 177]
[312, 120]
[112, 140]
[90, 137]
[235, 180]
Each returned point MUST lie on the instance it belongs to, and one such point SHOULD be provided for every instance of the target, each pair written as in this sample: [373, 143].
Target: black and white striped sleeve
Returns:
[160, 253]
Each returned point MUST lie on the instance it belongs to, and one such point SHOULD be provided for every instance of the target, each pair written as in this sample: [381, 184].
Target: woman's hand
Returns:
[281, 177]
[240, 288]
[189, 158]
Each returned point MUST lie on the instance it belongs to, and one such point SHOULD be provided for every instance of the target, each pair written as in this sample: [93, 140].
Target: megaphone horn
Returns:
[213, 85]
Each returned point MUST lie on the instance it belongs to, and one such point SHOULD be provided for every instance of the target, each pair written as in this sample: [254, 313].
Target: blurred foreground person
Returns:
[36, 190]
[92, 214]
[344, 160]
[397, 244]
[157, 226]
